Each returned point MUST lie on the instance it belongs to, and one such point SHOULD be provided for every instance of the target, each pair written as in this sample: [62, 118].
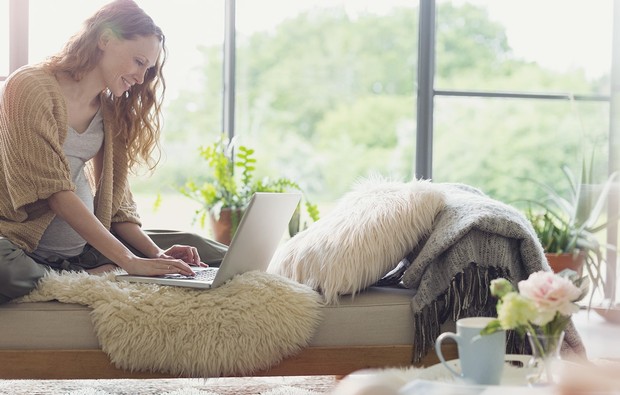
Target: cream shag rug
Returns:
[246, 325]
[296, 385]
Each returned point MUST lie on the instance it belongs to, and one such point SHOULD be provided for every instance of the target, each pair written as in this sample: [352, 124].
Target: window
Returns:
[326, 89]
[525, 45]
[503, 47]
[4, 38]
[47, 35]
[498, 143]
[520, 92]
[192, 109]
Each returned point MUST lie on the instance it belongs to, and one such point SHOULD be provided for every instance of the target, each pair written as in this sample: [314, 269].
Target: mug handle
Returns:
[440, 339]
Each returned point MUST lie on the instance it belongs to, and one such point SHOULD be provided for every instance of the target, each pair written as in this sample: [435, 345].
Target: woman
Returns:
[71, 129]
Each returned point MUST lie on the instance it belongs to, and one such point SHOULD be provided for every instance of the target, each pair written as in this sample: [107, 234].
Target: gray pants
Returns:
[19, 272]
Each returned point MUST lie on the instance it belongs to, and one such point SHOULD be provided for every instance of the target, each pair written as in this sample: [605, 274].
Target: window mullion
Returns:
[426, 75]
[18, 34]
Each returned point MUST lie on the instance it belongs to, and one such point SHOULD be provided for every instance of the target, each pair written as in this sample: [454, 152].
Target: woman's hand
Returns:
[185, 253]
[157, 266]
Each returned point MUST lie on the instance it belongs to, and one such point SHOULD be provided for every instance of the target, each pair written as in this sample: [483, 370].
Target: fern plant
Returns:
[231, 183]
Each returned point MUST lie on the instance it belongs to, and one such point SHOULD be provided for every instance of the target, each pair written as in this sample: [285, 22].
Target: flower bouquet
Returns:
[540, 309]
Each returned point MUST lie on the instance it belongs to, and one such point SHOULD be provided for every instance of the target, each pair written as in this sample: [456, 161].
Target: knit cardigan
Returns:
[33, 166]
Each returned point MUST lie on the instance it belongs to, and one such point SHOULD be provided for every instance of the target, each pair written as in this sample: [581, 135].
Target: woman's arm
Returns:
[68, 206]
[133, 234]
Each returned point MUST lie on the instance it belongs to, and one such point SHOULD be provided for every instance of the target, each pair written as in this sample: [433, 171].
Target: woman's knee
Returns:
[210, 250]
[19, 274]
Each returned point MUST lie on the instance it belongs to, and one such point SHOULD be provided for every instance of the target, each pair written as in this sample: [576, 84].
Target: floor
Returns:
[292, 385]
[601, 337]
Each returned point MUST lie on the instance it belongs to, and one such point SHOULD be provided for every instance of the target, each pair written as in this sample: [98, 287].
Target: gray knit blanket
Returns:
[474, 240]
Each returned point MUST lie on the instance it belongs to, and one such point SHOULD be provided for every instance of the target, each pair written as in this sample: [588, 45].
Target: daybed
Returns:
[53, 340]
[455, 241]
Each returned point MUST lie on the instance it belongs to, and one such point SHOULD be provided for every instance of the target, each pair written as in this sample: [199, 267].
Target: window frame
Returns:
[427, 94]
[18, 35]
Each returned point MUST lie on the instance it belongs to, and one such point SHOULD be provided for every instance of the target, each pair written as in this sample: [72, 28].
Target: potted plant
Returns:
[226, 192]
[567, 224]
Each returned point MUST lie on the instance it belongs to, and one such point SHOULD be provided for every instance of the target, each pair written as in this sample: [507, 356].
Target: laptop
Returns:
[258, 235]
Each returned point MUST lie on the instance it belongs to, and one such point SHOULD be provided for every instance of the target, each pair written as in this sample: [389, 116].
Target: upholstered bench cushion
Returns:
[46, 326]
[377, 316]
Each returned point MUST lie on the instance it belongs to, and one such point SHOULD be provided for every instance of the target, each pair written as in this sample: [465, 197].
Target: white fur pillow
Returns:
[369, 231]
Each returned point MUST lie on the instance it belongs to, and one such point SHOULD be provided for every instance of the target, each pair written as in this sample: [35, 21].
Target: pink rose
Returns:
[551, 294]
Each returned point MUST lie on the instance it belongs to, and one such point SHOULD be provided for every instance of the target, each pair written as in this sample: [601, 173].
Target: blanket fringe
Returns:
[467, 296]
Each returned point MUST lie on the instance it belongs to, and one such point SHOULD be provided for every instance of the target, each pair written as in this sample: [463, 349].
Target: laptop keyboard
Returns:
[207, 275]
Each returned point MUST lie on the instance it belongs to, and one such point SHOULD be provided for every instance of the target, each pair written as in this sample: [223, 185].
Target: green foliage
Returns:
[157, 203]
[331, 98]
[227, 188]
[554, 233]
[496, 144]
[569, 222]
[468, 40]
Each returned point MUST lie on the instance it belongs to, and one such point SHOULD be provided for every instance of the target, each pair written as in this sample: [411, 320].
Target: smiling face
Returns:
[125, 62]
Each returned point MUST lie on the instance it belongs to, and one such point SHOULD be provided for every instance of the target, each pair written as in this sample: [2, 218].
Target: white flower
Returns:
[544, 302]
[551, 294]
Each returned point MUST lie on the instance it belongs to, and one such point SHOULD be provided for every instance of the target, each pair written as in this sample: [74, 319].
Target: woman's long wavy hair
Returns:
[137, 111]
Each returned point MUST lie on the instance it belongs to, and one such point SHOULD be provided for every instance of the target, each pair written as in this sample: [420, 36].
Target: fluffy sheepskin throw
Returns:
[368, 232]
[246, 325]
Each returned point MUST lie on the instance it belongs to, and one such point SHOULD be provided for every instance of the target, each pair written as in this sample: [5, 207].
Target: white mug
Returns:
[481, 356]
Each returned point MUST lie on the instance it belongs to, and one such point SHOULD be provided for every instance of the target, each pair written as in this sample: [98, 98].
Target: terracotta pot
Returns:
[225, 227]
[559, 262]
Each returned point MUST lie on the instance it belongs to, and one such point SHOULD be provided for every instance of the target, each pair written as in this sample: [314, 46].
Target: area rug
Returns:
[249, 324]
[294, 385]
[584, 377]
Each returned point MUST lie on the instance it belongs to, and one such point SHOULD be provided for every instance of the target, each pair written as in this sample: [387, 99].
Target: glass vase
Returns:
[545, 360]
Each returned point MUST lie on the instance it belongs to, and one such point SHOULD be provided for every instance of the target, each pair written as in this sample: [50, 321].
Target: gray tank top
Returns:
[59, 238]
